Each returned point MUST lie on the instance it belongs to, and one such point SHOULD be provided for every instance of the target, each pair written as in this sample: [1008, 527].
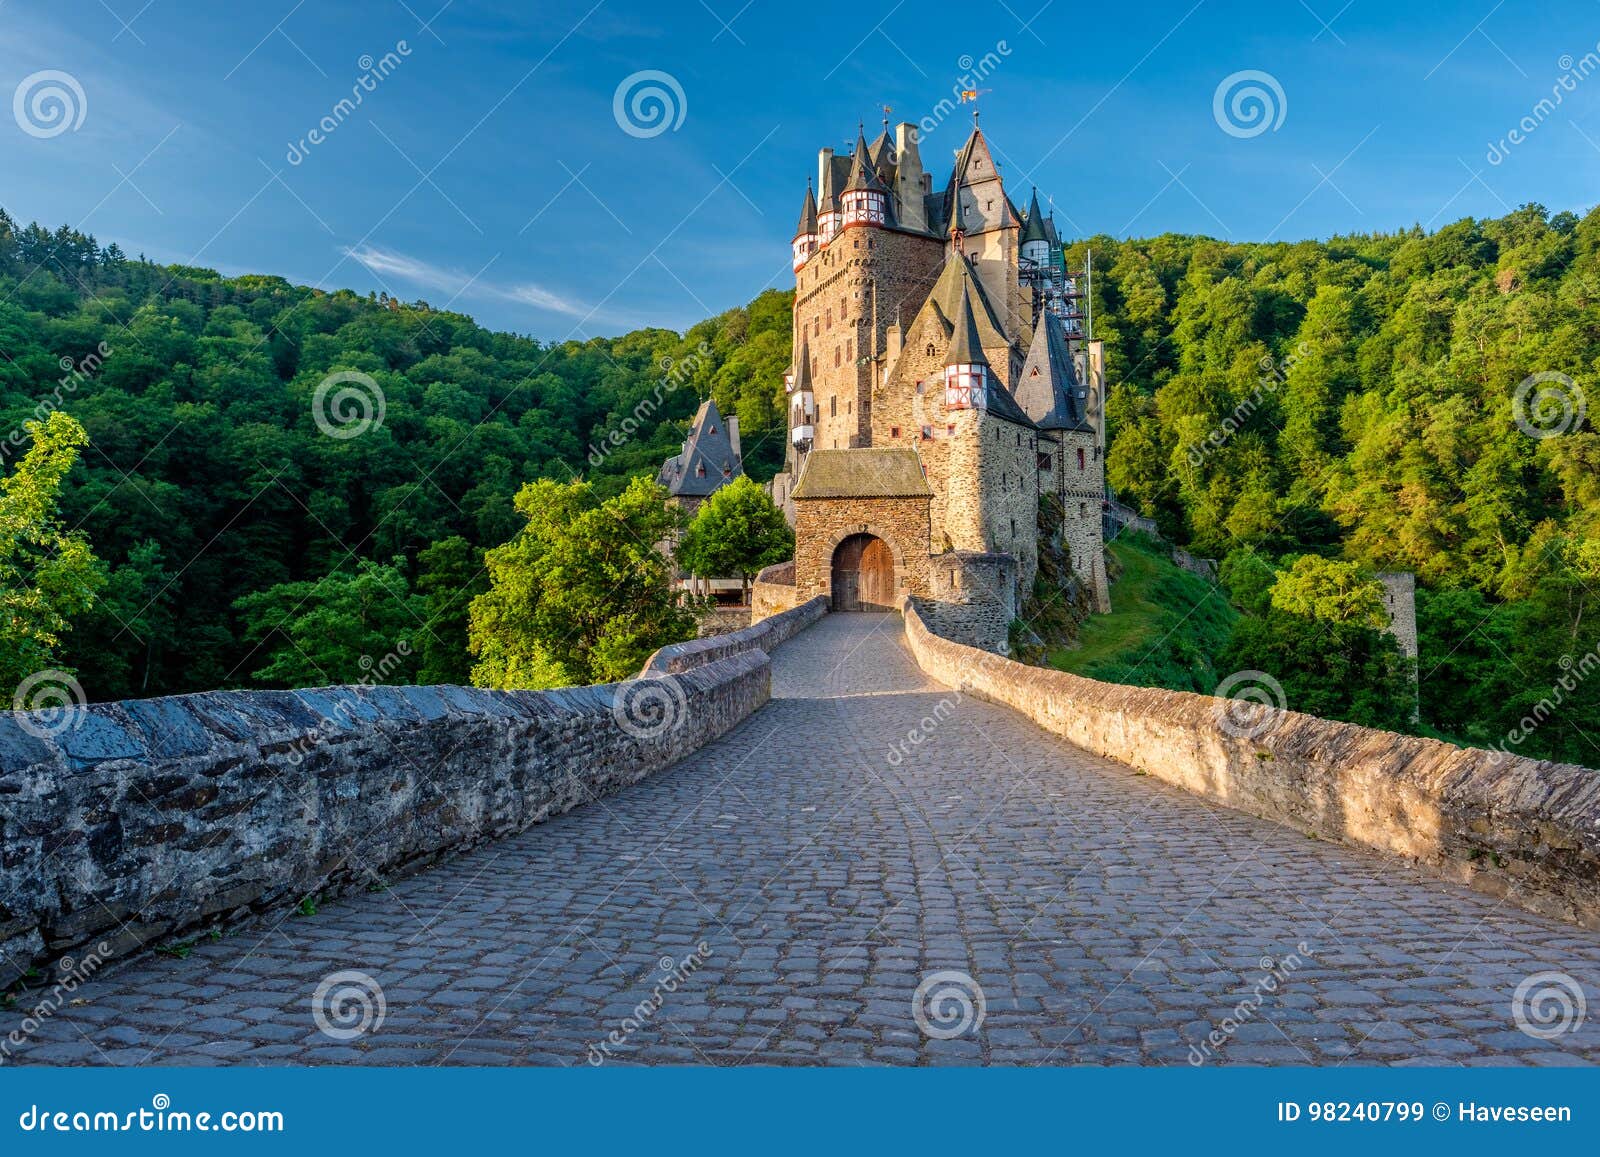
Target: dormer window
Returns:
[700, 470]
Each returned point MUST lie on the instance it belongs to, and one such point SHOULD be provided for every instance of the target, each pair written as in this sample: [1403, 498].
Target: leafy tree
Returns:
[1339, 670]
[48, 574]
[451, 575]
[737, 531]
[582, 595]
[1330, 591]
[355, 627]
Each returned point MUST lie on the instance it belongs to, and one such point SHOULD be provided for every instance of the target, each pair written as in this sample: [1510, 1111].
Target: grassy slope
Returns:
[1165, 628]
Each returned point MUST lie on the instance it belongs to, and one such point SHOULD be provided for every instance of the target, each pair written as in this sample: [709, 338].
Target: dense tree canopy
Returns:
[219, 504]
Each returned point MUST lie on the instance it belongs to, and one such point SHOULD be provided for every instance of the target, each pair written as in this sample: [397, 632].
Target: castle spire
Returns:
[966, 348]
[808, 213]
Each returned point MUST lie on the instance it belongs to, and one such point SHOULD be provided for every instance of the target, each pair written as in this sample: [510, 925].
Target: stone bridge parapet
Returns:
[1517, 828]
[137, 823]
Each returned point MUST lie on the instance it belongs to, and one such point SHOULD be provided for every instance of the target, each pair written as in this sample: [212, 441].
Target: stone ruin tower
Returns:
[944, 382]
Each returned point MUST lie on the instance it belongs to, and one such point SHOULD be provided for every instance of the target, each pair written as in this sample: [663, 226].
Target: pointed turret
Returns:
[805, 238]
[966, 348]
[802, 402]
[865, 197]
[966, 370]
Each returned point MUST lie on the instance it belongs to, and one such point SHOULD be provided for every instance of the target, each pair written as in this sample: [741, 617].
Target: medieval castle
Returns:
[944, 383]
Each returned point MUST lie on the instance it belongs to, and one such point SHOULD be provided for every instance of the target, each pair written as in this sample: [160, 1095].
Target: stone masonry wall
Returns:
[974, 598]
[1517, 828]
[139, 822]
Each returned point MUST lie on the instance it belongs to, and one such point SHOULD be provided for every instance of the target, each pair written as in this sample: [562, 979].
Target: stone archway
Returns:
[863, 574]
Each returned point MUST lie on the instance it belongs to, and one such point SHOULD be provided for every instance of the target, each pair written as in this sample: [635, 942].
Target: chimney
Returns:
[910, 182]
[824, 178]
[733, 436]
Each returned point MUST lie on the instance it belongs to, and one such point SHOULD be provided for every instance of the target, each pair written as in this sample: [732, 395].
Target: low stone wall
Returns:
[721, 620]
[1525, 830]
[773, 592]
[763, 636]
[138, 823]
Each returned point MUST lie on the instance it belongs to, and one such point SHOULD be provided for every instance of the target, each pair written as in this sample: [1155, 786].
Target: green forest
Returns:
[239, 544]
[1304, 412]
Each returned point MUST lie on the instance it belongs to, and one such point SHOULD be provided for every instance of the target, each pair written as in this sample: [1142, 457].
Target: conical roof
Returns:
[808, 214]
[863, 177]
[1035, 228]
[802, 367]
[966, 348]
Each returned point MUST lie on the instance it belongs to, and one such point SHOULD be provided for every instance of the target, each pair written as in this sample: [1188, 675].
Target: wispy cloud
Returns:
[415, 271]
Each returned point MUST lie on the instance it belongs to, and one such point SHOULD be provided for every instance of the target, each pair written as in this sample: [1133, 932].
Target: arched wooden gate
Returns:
[863, 574]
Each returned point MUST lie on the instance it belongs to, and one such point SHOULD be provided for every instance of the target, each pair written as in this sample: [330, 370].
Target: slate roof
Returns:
[869, 472]
[808, 214]
[1047, 389]
[1035, 229]
[802, 367]
[862, 173]
[708, 461]
[966, 348]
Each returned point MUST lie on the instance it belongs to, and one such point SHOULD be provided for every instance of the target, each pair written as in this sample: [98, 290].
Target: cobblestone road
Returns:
[862, 832]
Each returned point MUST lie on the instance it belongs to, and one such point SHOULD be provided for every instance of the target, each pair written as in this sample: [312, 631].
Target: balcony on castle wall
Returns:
[802, 434]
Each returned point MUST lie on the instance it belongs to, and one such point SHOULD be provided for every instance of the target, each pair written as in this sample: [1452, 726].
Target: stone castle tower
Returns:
[944, 382]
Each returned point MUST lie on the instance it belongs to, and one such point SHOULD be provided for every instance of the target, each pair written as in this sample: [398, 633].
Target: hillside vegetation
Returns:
[1412, 401]
[246, 547]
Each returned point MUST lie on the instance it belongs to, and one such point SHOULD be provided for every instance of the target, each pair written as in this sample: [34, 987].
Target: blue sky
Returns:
[489, 169]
